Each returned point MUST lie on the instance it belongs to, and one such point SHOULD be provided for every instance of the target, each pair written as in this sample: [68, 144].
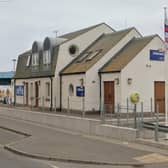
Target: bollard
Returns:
[157, 123]
[102, 113]
[42, 103]
[83, 106]
[127, 109]
[139, 122]
[68, 106]
[151, 104]
[55, 107]
[31, 99]
[142, 115]
[118, 114]
[135, 117]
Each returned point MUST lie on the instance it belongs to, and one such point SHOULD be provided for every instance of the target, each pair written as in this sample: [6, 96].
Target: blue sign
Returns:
[19, 90]
[156, 55]
[80, 91]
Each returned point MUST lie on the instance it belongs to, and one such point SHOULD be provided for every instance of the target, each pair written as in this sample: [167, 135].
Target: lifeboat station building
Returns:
[95, 66]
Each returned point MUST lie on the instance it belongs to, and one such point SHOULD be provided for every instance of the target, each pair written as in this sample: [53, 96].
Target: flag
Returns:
[166, 29]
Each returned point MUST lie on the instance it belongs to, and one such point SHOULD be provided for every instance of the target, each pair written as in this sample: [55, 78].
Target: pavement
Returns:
[60, 145]
[55, 144]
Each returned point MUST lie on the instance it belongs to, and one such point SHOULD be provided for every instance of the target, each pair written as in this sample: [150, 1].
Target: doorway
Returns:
[36, 94]
[159, 93]
[109, 100]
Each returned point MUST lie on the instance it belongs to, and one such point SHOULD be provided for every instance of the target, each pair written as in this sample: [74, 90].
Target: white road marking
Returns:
[152, 158]
[52, 166]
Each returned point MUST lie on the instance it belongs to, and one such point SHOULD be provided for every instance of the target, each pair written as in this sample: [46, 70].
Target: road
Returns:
[10, 160]
[58, 143]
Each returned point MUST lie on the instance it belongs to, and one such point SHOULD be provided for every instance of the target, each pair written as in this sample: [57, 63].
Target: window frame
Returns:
[35, 59]
[46, 57]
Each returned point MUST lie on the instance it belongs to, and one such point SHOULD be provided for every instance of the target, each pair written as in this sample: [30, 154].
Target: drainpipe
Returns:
[60, 92]
[100, 92]
[51, 105]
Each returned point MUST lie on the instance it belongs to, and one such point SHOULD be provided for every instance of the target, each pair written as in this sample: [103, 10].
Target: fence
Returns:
[143, 116]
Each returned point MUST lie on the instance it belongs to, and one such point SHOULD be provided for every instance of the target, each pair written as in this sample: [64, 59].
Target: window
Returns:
[46, 57]
[71, 90]
[83, 57]
[47, 89]
[73, 49]
[35, 59]
[28, 61]
[92, 55]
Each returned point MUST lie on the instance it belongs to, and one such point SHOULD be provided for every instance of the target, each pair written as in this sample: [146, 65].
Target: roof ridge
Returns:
[145, 37]
[84, 29]
[148, 38]
[116, 55]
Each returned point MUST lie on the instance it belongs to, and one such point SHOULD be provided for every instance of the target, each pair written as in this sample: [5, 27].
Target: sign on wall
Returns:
[80, 91]
[19, 90]
[156, 55]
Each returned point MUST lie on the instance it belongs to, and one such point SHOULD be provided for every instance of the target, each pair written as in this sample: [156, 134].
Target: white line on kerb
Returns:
[52, 166]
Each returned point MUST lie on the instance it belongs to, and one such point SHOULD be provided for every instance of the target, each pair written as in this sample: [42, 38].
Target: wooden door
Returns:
[36, 94]
[159, 94]
[109, 100]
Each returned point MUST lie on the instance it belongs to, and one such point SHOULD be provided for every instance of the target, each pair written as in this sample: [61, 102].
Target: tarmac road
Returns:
[58, 143]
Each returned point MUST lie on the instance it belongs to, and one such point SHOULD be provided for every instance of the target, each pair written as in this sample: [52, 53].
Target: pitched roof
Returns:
[96, 50]
[24, 71]
[126, 54]
[74, 34]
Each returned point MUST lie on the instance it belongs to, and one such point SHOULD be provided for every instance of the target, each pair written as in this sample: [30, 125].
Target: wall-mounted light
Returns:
[117, 81]
[129, 81]
[148, 65]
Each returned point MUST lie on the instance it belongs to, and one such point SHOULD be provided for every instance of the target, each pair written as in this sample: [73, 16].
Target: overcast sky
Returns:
[24, 21]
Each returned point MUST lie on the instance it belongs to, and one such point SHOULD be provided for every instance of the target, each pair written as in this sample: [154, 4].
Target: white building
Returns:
[80, 70]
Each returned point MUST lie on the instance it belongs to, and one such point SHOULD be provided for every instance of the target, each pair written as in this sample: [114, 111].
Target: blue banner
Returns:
[156, 55]
[19, 90]
[80, 91]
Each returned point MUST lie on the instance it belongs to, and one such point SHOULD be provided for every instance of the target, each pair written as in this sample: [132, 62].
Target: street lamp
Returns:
[14, 64]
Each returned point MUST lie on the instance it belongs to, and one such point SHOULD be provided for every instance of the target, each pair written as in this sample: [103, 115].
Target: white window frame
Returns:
[28, 61]
[35, 59]
[46, 57]
[92, 55]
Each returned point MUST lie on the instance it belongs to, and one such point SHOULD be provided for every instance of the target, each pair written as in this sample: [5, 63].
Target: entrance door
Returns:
[27, 94]
[36, 94]
[109, 96]
[160, 96]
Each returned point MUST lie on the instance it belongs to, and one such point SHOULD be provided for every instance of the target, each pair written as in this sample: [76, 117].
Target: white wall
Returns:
[64, 58]
[75, 102]
[92, 89]
[143, 77]
[31, 91]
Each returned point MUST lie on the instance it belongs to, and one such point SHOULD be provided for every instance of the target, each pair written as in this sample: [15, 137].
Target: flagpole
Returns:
[166, 54]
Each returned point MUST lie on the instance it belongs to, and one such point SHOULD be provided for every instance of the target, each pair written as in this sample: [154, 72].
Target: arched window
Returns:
[71, 90]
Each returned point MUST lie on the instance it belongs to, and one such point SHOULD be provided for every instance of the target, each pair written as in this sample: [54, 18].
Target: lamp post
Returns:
[14, 64]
